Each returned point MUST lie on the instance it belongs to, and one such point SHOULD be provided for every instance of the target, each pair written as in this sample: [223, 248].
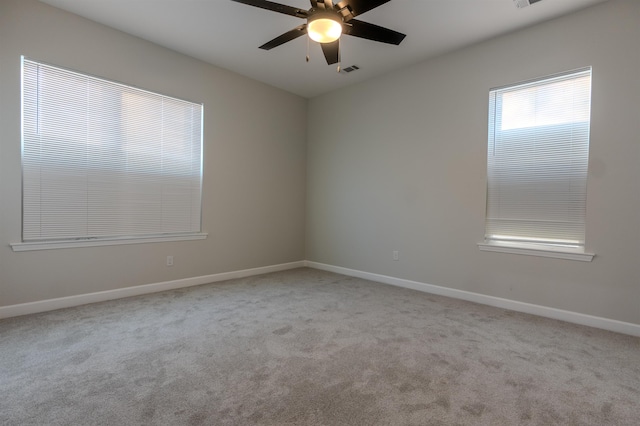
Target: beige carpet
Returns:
[306, 347]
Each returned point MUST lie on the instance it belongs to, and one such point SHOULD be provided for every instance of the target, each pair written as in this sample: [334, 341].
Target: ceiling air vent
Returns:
[524, 3]
[349, 69]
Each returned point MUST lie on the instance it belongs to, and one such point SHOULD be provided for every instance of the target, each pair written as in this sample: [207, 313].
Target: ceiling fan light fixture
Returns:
[326, 21]
[324, 27]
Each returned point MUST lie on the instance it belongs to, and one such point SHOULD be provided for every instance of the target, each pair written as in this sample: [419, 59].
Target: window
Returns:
[106, 161]
[538, 152]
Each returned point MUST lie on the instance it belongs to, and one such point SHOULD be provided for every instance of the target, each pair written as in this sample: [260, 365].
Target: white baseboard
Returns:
[513, 305]
[101, 296]
[543, 311]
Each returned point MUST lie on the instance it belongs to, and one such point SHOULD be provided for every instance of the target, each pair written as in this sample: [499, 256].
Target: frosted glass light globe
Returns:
[324, 30]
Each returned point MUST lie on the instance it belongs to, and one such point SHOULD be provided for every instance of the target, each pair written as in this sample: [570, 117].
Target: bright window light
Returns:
[537, 162]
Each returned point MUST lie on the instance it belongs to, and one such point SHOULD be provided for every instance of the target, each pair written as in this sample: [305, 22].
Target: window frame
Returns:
[552, 250]
[118, 238]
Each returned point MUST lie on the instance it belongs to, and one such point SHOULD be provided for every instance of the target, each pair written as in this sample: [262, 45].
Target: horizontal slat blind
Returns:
[101, 159]
[537, 161]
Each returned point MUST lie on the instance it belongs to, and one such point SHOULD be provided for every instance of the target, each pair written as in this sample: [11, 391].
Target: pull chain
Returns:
[307, 49]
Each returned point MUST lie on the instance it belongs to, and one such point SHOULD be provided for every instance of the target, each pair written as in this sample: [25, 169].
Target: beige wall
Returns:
[254, 161]
[403, 167]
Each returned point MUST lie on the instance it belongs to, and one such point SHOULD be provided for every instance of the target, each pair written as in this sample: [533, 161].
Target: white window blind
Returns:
[102, 159]
[537, 161]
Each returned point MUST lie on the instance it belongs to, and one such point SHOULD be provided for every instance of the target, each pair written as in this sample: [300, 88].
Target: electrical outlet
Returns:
[396, 255]
[169, 260]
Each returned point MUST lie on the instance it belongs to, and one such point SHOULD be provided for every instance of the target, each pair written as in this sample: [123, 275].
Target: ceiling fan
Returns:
[327, 21]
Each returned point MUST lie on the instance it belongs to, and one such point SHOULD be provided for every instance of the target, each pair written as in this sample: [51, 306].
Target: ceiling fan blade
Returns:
[275, 7]
[358, 7]
[373, 32]
[314, 4]
[288, 36]
[331, 51]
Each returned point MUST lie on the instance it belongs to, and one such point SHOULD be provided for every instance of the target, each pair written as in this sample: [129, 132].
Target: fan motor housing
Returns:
[324, 14]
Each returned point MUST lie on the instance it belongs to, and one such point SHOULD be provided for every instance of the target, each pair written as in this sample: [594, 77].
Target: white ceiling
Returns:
[227, 34]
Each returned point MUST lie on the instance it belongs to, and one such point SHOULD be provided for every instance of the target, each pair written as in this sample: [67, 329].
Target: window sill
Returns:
[555, 252]
[62, 244]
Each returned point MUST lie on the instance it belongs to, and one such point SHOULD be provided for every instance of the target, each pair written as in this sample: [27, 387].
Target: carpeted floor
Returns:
[307, 347]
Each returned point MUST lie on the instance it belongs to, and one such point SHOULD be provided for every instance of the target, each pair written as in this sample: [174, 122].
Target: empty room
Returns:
[245, 212]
